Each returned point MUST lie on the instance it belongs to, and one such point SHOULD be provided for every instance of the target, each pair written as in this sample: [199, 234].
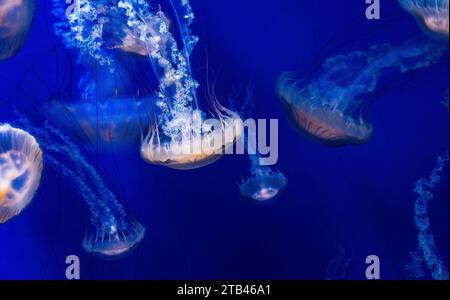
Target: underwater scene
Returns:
[224, 139]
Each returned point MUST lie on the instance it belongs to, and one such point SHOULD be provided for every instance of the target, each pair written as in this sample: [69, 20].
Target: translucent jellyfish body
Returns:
[113, 242]
[97, 28]
[264, 184]
[20, 170]
[16, 17]
[432, 15]
[321, 122]
[199, 144]
[330, 108]
[115, 233]
[113, 124]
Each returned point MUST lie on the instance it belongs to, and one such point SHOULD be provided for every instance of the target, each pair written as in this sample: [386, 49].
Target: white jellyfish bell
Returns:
[20, 170]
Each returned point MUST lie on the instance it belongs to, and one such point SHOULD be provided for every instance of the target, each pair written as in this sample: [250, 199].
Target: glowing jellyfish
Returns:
[116, 234]
[183, 138]
[432, 15]
[98, 28]
[265, 183]
[330, 107]
[20, 170]
[16, 17]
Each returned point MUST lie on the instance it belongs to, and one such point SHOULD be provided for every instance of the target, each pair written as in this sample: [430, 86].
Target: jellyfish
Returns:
[108, 110]
[20, 170]
[115, 233]
[16, 17]
[432, 15]
[428, 249]
[330, 108]
[264, 183]
[105, 113]
[183, 138]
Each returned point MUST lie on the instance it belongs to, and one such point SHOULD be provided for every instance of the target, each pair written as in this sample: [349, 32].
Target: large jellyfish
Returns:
[20, 170]
[432, 15]
[16, 17]
[116, 233]
[330, 107]
[182, 138]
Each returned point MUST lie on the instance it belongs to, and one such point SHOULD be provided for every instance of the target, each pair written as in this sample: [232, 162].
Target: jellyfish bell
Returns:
[116, 123]
[16, 17]
[432, 15]
[113, 242]
[20, 170]
[130, 40]
[199, 144]
[264, 184]
[319, 120]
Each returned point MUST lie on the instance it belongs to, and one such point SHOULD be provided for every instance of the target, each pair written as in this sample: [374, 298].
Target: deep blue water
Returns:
[198, 225]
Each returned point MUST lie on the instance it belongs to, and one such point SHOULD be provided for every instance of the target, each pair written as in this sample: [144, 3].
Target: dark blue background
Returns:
[198, 226]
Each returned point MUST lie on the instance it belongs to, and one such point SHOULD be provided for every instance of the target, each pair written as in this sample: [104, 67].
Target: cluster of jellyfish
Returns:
[102, 30]
[172, 128]
[22, 152]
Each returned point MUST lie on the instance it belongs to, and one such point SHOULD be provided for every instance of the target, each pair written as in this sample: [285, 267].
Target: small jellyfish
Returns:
[432, 15]
[330, 107]
[264, 183]
[20, 170]
[16, 17]
[115, 233]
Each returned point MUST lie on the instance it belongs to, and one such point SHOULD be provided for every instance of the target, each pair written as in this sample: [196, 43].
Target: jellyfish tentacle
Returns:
[116, 233]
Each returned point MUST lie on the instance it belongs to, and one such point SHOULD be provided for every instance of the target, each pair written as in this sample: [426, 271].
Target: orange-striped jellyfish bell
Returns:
[20, 170]
[195, 143]
[432, 15]
[330, 105]
[16, 17]
[321, 122]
